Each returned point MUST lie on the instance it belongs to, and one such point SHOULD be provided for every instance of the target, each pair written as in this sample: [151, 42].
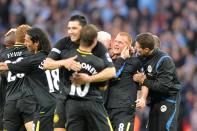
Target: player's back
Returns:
[13, 55]
[91, 65]
[43, 83]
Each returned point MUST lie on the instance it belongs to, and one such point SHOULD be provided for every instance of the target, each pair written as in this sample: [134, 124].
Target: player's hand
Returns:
[72, 64]
[131, 50]
[80, 78]
[3, 66]
[139, 77]
[140, 103]
[125, 52]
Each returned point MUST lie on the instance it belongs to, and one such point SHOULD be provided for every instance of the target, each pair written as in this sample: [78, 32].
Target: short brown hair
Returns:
[21, 31]
[157, 41]
[146, 40]
[88, 34]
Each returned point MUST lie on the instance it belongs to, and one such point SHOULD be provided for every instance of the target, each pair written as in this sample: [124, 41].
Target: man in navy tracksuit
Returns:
[161, 79]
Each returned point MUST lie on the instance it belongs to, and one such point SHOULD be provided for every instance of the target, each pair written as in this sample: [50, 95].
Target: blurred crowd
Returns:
[174, 21]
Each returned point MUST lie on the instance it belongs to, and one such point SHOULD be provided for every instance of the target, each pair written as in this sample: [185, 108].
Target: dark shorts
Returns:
[44, 123]
[86, 115]
[43, 119]
[1, 118]
[17, 112]
[122, 118]
[59, 119]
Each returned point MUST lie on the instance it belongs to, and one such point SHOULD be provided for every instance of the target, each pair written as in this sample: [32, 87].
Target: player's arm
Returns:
[164, 79]
[141, 101]
[54, 55]
[106, 74]
[68, 63]
[50, 64]
[51, 61]
[24, 66]
[82, 78]
[3, 66]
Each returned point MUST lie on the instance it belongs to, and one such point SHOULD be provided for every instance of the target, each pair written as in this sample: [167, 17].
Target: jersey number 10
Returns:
[77, 89]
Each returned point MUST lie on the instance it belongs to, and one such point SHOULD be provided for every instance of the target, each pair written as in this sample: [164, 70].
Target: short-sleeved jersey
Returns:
[90, 64]
[66, 44]
[45, 84]
[122, 90]
[14, 89]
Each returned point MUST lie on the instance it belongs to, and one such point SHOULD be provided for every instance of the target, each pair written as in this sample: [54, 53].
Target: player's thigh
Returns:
[59, 119]
[97, 117]
[75, 116]
[27, 107]
[122, 119]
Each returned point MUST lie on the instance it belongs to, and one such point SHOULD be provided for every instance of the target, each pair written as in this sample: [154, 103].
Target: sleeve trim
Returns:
[56, 50]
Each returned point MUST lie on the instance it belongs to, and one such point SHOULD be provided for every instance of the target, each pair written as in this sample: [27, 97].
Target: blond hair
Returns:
[127, 35]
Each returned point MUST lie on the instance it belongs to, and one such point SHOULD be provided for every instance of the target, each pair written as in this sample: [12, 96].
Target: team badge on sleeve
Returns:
[108, 57]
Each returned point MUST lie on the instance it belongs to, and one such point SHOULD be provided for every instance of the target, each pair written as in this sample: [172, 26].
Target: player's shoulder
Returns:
[68, 53]
[63, 43]
[99, 50]
[135, 61]
[96, 59]
[64, 39]
[162, 54]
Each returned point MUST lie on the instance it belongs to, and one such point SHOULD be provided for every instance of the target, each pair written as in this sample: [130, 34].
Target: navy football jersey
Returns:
[45, 84]
[90, 64]
[14, 89]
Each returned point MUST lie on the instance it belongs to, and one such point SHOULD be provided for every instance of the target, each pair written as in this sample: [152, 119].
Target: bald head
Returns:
[104, 38]
[9, 40]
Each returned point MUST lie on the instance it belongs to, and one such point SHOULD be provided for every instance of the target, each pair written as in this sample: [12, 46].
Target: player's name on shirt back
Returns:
[89, 68]
[14, 54]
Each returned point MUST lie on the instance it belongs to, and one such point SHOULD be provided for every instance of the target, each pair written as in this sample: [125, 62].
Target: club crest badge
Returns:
[163, 108]
[149, 68]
